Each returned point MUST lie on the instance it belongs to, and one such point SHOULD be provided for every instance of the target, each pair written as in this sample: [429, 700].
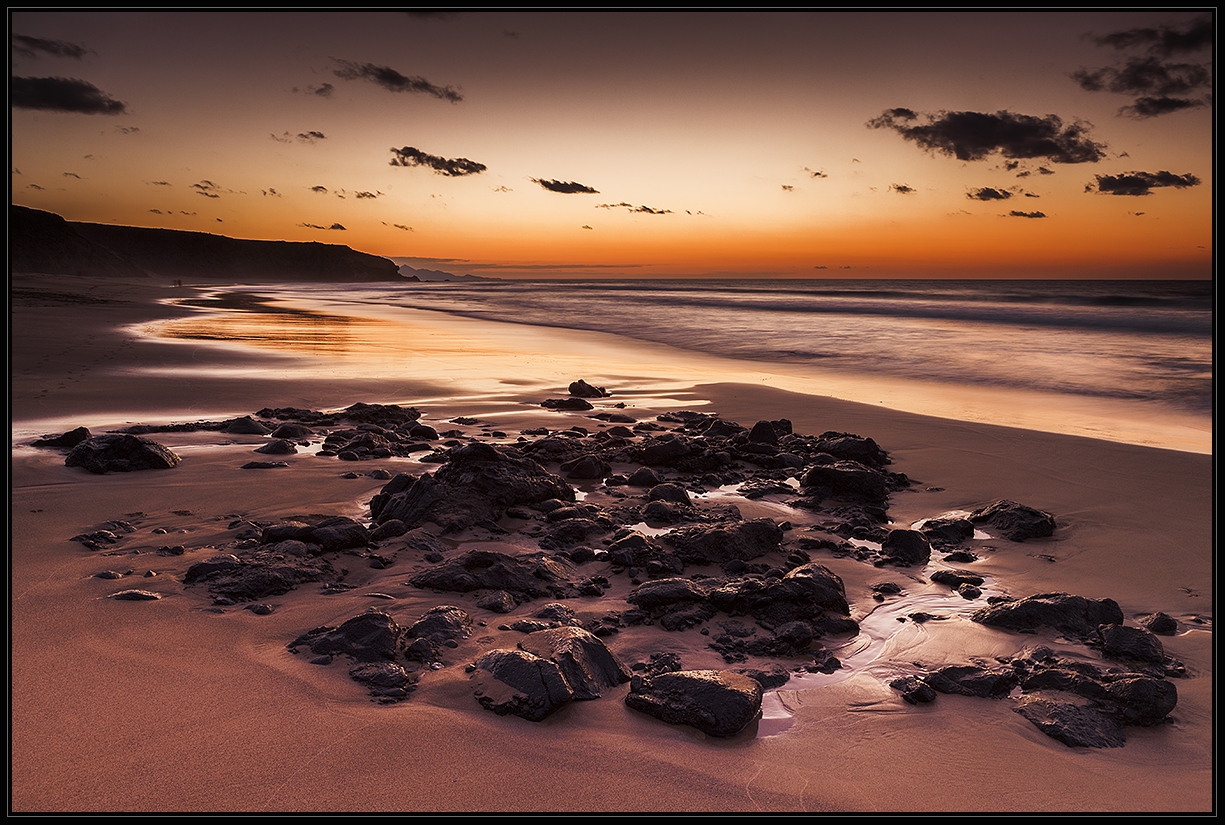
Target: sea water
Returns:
[1098, 347]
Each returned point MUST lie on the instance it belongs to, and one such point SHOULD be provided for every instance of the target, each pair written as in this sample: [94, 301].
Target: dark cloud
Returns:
[986, 193]
[1140, 183]
[393, 81]
[323, 90]
[1164, 41]
[788, 187]
[317, 226]
[816, 173]
[903, 189]
[977, 135]
[62, 94]
[1146, 107]
[305, 137]
[38, 46]
[1159, 86]
[1146, 76]
[566, 187]
[1015, 214]
[451, 167]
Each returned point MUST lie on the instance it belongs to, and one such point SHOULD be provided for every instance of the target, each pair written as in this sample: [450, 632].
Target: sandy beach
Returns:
[178, 705]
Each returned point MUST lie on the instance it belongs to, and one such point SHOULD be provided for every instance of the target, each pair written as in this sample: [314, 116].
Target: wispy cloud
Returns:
[566, 187]
[27, 46]
[450, 167]
[393, 81]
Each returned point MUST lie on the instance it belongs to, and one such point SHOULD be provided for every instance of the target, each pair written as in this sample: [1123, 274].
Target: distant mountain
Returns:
[436, 275]
[43, 242]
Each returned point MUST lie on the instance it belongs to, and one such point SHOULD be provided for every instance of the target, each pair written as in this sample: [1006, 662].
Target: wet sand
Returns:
[177, 706]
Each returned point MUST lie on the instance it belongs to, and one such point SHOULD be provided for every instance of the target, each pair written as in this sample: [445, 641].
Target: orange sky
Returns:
[636, 143]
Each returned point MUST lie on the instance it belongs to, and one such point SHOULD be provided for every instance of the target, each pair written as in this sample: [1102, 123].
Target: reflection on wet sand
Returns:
[245, 318]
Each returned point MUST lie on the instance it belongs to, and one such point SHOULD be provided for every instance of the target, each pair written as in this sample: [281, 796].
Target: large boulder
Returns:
[526, 576]
[475, 487]
[368, 637]
[120, 453]
[848, 480]
[716, 702]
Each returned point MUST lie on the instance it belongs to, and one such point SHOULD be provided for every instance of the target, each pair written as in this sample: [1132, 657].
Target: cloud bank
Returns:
[62, 94]
[393, 81]
[450, 167]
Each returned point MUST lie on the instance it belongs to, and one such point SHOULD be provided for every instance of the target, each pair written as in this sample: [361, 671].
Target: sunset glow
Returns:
[666, 144]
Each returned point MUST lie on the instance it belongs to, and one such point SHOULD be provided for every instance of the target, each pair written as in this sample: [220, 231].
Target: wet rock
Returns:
[915, 691]
[718, 703]
[64, 441]
[581, 389]
[1120, 642]
[515, 682]
[973, 680]
[906, 547]
[277, 447]
[846, 479]
[722, 542]
[1076, 615]
[947, 530]
[476, 486]
[385, 680]
[1016, 522]
[1161, 623]
[246, 425]
[1074, 723]
[566, 404]
[526, 576]
[586, 663]
[120, 453]
[368, 637]
[853, 448]
[956, 578]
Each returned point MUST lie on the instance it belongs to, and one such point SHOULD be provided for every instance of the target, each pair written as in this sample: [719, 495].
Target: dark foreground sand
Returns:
[175, 706]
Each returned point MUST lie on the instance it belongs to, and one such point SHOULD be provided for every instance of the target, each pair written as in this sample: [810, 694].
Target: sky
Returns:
[809, 144]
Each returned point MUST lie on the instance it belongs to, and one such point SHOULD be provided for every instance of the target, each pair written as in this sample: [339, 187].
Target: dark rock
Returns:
[718, 703]
[385, 680]
[725, 541]
[566, 404]
[586, 663]
[947, 530]
[581, 389]
[853, 448]
[1072, 723]
[1076, 615]
[263, 465]
[278, 447]
[1016, 522]
[643, 477]
[66, 440]
[498, 601]
[906, 547]
[120, 453]
[667, 592]
[586, 468]
[476, 486]
[515, 682]
[956, 578]
[368, 637]
[669, 492]
[292, 432]
[849, 480]
[246, 425]
[972, 680]
[1120, 642]
[526, 577]
[1142, 700]
[1161, 623]
[914, 690]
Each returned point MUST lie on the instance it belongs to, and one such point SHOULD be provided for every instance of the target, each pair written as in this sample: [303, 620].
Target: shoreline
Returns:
[176, 705]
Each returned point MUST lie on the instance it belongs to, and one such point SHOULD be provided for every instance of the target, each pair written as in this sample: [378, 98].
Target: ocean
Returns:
[1144, 346]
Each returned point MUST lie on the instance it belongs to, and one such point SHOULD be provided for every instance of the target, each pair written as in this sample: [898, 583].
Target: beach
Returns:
[181, 705]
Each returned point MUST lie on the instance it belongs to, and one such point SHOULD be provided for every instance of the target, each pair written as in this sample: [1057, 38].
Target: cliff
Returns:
[44, 242]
